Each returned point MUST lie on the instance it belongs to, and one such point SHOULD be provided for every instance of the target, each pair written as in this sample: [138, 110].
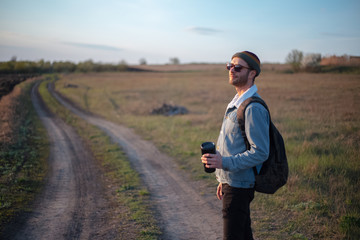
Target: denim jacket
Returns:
[237, 161]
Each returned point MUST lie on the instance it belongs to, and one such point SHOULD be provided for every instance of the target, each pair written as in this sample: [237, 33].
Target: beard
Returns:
[240, 80]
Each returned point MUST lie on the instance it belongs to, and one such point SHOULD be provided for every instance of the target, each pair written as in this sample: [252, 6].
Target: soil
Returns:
[76, 205]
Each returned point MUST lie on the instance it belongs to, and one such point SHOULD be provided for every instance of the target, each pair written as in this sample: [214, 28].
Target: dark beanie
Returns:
[251, 59]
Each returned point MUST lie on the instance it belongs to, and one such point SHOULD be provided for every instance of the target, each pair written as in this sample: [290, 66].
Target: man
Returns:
[233, 162]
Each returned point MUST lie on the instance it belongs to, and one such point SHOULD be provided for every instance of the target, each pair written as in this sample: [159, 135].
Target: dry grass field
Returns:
[318, 115]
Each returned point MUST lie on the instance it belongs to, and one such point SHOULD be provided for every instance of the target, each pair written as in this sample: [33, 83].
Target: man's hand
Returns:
[212, 160]
[219, 192]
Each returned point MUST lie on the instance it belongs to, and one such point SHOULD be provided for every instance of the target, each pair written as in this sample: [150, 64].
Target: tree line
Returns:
[299, 61]
[38, 67]
[311, 62]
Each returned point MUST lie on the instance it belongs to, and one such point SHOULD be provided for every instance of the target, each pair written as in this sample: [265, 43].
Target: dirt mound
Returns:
[170, 110]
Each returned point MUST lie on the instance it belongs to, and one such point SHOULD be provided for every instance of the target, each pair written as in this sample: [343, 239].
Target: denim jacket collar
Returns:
[237, 100]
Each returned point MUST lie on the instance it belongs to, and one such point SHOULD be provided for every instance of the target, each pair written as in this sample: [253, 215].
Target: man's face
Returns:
[239, 79]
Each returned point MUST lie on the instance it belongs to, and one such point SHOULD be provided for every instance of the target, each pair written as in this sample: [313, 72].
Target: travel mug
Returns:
[208, 147]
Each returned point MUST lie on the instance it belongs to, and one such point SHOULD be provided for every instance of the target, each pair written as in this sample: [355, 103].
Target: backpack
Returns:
[274, 171]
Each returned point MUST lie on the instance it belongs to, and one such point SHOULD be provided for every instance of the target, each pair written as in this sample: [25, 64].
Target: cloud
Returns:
[333, 34]
[93, 46]
[338, 35]
[203, 30]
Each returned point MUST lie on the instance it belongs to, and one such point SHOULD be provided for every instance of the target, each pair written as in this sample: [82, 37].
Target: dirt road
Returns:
[184, 212]
[73, 203]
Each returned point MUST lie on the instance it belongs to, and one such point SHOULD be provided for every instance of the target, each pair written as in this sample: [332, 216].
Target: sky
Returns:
[193, 31]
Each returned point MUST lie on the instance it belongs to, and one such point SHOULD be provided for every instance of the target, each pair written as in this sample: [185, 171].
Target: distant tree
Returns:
[43, 67]
[87, 66]
[311, 62]
[64, 66]
[174, 61]
[122, 66]
[10, 65]
[7, 67]
[142, 61]
[123, 62]
[22, 67]
[294, 58]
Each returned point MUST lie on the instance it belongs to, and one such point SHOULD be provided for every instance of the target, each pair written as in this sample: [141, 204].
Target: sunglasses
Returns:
[236, 67]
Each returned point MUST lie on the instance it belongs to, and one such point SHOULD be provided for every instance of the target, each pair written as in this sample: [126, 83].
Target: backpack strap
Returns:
[241, 119]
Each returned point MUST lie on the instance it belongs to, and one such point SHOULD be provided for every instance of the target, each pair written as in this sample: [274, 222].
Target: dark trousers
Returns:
[236, 212]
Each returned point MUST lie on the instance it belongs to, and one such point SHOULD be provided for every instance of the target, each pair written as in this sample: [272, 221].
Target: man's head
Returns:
[243, 69]
[251, 59]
